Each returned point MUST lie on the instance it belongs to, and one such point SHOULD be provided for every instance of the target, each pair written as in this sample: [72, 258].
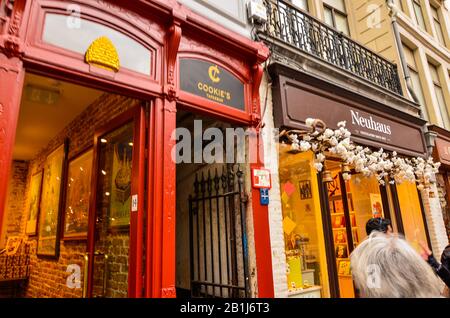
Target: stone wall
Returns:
[49, 277]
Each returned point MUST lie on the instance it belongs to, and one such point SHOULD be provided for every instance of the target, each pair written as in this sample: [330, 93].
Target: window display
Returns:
[361, 202]
[339, 228]
[411, 214]
[302, 225]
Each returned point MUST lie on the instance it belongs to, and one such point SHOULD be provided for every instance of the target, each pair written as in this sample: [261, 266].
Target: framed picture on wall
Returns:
[344, 268]
[121, 154]
[33, 203]
[49, 218]
[337, 221]
[341, 251]
[340, 237]
[376, 205]
[305, 189]
[78, 192]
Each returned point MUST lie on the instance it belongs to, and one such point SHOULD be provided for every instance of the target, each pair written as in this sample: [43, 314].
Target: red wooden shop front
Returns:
[168, 31]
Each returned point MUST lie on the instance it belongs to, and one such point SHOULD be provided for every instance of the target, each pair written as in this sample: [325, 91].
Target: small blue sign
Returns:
[264, 196]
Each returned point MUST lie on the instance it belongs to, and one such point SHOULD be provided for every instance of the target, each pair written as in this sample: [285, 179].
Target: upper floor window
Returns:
[77, 36]
[415, 79]
[398, 4]
[301, 4]
[442, 109]
[336, 15]
[437, 25]
[418, 13]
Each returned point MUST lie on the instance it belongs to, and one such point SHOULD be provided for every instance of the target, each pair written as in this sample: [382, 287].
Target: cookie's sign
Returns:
[212, 82]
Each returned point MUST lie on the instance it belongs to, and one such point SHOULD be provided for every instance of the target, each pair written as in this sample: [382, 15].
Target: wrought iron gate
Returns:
[218, 237]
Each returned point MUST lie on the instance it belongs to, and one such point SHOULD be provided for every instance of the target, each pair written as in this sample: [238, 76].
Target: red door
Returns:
[115, 237]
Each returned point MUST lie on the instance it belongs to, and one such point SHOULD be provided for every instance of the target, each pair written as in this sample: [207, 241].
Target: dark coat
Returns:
[443, 269]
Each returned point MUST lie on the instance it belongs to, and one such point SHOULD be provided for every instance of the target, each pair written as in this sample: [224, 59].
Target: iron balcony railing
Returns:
[296, 28]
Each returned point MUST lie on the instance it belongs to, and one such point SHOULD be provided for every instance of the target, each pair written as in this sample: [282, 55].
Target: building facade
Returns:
[423, 31]
[95, 203]
[98, 130]
[338, 61]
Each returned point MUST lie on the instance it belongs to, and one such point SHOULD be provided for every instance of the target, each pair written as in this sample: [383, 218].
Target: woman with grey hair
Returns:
[386, 266]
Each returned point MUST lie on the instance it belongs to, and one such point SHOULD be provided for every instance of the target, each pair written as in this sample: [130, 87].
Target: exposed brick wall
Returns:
[49, 277]
[15, 205]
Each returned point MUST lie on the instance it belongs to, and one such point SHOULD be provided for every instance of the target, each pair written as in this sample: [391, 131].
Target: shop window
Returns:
[78, 35]
[336, 15]
[303, 228]
[352, 203]
[411, 213]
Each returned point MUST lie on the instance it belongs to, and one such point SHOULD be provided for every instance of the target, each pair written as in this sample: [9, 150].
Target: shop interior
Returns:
[352, 201]
[49, 194]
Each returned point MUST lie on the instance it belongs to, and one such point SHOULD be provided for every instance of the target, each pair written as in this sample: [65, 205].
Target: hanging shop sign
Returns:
[441, 151]
[210, 81]
[390, 129]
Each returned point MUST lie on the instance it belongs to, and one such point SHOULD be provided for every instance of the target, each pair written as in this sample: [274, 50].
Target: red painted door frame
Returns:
[17, 47]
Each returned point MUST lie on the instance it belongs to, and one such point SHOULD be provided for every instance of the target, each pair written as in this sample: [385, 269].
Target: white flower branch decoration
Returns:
[323, 141]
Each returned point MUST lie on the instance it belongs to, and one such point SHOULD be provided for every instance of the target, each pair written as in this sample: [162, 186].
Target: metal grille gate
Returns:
[218, 241]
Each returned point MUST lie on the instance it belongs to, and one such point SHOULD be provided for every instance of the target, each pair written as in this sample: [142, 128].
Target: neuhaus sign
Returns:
[371, 125]
[212, 82]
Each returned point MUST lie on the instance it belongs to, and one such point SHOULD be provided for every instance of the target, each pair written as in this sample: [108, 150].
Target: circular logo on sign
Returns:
[213, 73]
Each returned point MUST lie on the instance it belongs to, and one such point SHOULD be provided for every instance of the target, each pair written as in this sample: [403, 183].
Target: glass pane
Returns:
[439, 34]
[365, 202]
[411, 213]
[341, 23]
[435, 13]
[77, 35]
[337, 4]
[399, 5]
[302, 225]
[328, 16]
[409, 55]
[339, 227]
[113, 213]
[442, 108]
[434, 73]
[417, 87]
[302, 4]
[419, 15]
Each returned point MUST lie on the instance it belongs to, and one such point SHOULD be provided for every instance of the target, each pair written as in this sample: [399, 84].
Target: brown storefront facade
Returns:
[441, 153]
[324, 221]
